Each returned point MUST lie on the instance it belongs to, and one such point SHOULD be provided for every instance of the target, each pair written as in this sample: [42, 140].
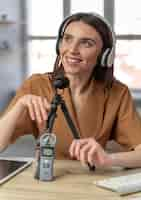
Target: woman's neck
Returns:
[78, 84]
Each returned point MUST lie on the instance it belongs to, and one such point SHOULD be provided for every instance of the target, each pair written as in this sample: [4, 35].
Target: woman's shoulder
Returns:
[116, 86]
[40, 77]
[119, 90]
[37, 82]
[119, 84]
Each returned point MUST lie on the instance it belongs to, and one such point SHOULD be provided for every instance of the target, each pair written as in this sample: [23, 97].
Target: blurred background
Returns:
[28, 33]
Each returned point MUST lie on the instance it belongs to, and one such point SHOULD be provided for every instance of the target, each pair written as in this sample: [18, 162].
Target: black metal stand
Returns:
[58, 100]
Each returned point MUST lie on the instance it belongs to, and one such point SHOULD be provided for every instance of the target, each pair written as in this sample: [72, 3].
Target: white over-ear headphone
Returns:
[107, 57]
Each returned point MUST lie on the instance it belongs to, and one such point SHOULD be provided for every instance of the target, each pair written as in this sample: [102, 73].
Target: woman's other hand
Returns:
[89, 151]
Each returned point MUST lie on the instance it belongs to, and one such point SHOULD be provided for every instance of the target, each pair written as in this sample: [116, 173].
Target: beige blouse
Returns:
[107, 114]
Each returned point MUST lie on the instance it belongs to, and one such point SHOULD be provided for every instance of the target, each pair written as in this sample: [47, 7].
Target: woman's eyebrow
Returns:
[88, 39]
[83, 38]
[67, 34]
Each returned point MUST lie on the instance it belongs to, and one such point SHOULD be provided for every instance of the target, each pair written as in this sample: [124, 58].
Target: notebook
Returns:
[123, 185]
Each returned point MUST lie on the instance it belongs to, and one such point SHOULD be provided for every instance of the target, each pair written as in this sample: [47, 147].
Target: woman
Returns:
[100, 106]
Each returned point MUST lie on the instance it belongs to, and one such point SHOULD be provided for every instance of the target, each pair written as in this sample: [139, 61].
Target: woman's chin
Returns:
[71, 72]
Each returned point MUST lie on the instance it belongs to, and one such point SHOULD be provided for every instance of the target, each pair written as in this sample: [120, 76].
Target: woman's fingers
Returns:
[77, 150]
[42, 109]
[84, 153]
[92, 156]
[72, 148]
[31, 110]
[97, 156]
[46, 104]
[88, 151]
[37, 106]
[37, 110]
[76, 146]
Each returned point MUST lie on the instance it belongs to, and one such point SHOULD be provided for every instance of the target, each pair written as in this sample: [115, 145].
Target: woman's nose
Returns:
[74, 47]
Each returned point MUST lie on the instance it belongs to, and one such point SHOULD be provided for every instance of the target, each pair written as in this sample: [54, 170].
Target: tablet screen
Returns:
[9, 168]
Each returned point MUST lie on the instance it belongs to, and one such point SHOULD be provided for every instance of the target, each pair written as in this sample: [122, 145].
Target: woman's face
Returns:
[80, 47]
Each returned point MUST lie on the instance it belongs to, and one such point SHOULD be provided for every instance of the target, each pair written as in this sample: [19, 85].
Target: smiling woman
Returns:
[100, 106]
[80, 47]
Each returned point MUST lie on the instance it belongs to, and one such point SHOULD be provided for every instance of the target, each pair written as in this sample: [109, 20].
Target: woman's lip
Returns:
[73, 60]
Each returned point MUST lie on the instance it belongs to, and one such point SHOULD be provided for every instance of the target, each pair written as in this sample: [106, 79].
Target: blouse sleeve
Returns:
[24, 124]
[128, 124]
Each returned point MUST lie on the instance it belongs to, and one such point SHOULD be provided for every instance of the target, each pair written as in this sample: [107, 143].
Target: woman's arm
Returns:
[8, 123]
[127, 159]
[89, 151]
[37, 108]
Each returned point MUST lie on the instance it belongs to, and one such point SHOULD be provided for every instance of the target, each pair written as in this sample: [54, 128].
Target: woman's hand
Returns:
[89, 151]
[37, 106]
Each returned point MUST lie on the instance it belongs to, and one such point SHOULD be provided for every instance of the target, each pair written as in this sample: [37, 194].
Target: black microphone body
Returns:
[61, 82]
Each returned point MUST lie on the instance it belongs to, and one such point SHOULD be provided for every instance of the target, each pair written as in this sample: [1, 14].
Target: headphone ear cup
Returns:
[110, 58]
[107, 58]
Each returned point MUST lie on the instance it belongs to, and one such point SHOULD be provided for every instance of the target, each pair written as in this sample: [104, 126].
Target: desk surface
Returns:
[72, 182]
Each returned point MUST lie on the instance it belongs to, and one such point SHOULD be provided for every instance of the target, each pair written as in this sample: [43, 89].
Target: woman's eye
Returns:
[67, 38]
[87, 43]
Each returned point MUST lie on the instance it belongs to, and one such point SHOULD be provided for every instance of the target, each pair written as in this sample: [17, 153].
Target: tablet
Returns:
[11, 167]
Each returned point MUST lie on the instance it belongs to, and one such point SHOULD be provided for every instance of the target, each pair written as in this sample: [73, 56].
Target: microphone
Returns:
[61, 82]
